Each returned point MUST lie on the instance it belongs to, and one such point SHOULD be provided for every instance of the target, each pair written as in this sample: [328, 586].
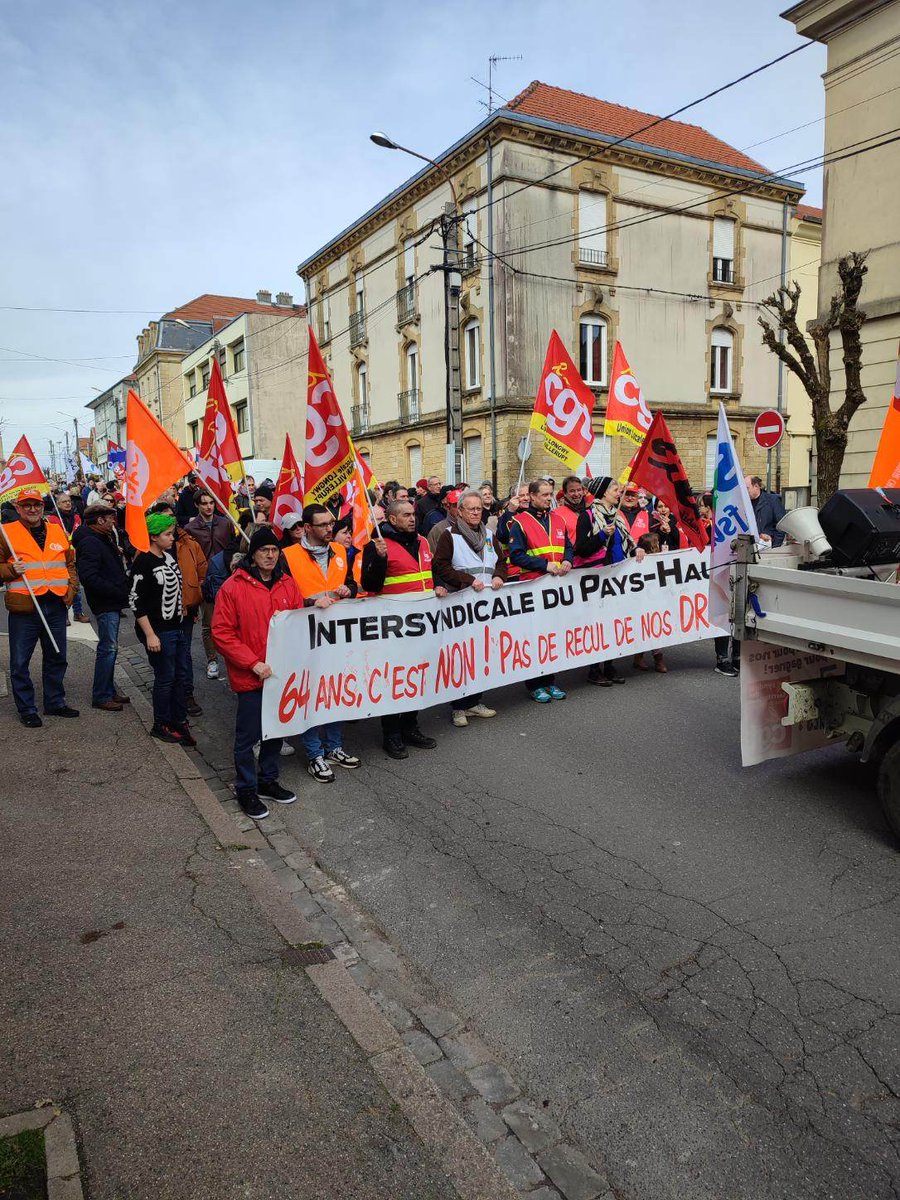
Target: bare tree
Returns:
[812, 366]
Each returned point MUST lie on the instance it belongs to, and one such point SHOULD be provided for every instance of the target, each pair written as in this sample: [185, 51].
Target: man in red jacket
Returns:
[240, 628]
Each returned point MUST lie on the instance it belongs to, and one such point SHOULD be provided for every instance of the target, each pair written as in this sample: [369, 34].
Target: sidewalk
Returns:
[147, 993]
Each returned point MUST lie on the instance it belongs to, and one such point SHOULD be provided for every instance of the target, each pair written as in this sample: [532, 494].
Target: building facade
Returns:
[862, 179]
[109, 409]
[661, 240]
[163, 345]
[797, 446]
[263, 359]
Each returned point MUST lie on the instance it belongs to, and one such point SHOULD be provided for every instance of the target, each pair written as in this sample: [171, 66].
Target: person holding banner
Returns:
[573, 504]
[321, 571]
[399, 564]
[258, 588]
[539, 545]
[466, 556]
[37, 564]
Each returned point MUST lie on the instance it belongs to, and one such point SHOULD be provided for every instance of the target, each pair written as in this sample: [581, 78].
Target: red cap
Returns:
[30, 493]
[631, 487]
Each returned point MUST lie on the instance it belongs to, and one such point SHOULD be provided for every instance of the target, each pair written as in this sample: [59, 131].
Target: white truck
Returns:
[820, 659]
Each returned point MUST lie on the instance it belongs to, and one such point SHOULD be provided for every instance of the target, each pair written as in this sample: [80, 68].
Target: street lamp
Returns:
[452, 286]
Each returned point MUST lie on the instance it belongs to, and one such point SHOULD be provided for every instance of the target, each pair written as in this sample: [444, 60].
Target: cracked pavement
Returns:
[144, 991]
[694, 967]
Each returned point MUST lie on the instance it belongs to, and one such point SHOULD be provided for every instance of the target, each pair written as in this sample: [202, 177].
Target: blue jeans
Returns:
[247, 732]
[77, 604]
[321, 738]
[105, 662]
[25, 631]
[169, 678]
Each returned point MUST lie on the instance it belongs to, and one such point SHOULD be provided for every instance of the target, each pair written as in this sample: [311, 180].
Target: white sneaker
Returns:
[459, 718]
[320, 770]
[212, 670]
[287, 750]
[481, 710]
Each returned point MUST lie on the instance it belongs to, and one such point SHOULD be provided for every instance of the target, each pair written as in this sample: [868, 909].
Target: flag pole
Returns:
[34, 601]
[225, 511]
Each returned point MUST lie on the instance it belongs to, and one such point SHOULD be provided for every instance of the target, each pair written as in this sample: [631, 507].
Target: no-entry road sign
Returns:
[768, 429]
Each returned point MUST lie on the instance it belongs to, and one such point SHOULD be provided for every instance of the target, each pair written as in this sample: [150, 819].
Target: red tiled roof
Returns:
[809, 212]
[599, 116]
[207, 307]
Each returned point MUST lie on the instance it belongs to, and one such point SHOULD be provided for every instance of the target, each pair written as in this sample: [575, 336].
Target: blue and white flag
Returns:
[87, 467]
[733, 515]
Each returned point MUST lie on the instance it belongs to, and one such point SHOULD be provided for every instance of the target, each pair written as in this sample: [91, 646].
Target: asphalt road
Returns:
[694, 965]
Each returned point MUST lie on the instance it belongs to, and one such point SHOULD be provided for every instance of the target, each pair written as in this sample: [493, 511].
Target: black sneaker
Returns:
[274, 791]
[31, 720]
[163, 733]
[724, 667]
[63, 711]
[415, 737]
[251, 805]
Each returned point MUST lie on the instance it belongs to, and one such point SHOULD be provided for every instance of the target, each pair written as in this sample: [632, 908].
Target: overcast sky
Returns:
[154, 152]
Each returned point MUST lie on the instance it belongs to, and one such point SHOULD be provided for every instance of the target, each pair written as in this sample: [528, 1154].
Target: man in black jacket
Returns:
[105, 582]
[767, 508]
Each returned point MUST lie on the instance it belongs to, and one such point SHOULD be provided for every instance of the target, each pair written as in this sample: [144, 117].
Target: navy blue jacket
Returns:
[100, 570]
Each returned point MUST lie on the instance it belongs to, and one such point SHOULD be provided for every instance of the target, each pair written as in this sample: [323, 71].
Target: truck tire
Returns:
[889, 787]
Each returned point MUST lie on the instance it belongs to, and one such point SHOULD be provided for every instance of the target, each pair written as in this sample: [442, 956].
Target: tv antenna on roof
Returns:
[489, 86]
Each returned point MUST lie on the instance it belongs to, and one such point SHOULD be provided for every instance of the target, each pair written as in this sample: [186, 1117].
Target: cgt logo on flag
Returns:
[21, 471]
[564, 407]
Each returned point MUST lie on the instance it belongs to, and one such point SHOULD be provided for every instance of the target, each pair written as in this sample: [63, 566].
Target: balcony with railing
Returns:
[723, 270]
[410, 406]
[593, 258]
[357, 328]
[407, 304]
[359, 418]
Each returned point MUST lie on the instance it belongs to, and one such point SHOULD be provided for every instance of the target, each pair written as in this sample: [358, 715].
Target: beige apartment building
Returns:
[660, 239]
[862, 183]
[263, 359]
[163, 344]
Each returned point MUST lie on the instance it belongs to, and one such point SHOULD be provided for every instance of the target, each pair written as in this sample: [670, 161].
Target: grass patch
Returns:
[23, 1166]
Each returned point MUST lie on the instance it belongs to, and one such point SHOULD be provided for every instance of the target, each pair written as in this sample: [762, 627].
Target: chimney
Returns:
[263, 297]
[285, 299]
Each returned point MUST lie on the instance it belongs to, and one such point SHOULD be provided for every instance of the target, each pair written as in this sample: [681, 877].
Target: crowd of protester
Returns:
[230, 574]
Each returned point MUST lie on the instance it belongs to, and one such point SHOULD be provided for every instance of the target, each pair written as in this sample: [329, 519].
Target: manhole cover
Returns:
[306, 956]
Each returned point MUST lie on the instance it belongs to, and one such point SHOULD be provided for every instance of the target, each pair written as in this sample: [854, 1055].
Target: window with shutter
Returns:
[723, 250]
[712, 454]
[592, 228]
[721, 354]
[592, 364]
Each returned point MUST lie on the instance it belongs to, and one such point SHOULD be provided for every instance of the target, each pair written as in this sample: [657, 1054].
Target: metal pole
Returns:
[492, 365]
[780, 398]
[77, 447]
[451, 347]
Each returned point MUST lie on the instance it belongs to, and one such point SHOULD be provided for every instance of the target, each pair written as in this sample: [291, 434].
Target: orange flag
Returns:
[627, 414]
[357, 498]
[21, 471]
[886, 467]
[288, 497]
[330, 460]
[563, 408]
[152, 463]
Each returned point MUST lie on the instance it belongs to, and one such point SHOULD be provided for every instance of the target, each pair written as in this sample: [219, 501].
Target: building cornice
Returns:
[535, 131]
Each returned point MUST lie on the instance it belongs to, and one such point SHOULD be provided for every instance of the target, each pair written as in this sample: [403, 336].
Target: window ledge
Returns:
[609, 269]
[719, 285]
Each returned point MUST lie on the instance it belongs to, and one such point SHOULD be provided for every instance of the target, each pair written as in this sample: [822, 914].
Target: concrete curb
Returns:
[60, 1148]
[471, 1169]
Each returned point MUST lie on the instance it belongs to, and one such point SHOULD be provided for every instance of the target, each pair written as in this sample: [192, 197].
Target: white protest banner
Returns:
[365, 658]
[764, 668]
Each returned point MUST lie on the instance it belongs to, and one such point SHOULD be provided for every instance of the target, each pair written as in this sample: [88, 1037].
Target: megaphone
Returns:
[802, 524]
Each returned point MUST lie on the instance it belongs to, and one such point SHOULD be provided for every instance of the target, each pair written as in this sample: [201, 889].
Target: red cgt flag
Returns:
[330, 459]
[152, 463]
[288, 497]
[563, 408]
[219, 462]
[658, 468]
[21, 471]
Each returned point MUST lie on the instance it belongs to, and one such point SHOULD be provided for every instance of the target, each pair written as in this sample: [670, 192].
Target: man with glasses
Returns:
[33, 548]
[322, 573]
[101, 570]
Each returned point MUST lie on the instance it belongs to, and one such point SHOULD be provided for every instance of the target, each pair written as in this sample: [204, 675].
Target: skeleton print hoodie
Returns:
[156, 592]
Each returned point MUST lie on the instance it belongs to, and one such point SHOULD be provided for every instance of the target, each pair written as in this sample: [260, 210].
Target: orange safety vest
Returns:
[570, 518]
[45, 569]
[404, 573]
[357, 575]
[308, 574]
[540, 543]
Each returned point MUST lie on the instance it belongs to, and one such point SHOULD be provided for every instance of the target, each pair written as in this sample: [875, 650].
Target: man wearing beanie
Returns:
[246, 602]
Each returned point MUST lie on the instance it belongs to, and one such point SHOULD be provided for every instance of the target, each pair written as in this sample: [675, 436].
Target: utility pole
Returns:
[77, 448]
[452, 287]
[52, 460]
[68, 457]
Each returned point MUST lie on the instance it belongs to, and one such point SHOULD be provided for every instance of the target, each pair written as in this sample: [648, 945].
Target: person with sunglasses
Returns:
[37, 550]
